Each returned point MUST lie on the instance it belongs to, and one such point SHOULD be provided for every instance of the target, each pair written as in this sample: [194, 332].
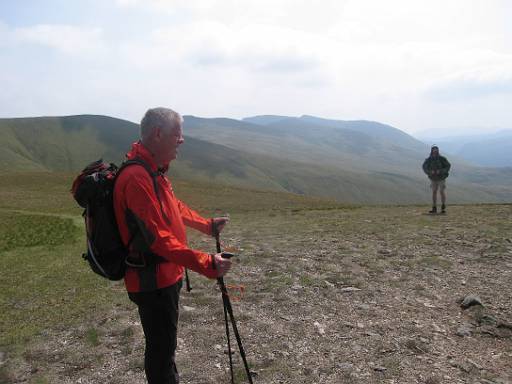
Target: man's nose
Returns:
[181, 140]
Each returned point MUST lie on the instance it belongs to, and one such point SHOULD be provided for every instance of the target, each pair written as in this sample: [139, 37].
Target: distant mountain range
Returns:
[489, 150]
[351, 161]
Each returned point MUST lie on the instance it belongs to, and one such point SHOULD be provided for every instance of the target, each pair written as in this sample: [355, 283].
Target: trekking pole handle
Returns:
[227, 255]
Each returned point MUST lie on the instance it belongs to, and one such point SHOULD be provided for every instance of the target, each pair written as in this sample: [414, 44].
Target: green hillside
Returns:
[62, 143]
[287, 155]
[359, 147]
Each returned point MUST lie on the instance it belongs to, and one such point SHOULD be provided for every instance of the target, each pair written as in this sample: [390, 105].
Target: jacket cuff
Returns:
[211, 270]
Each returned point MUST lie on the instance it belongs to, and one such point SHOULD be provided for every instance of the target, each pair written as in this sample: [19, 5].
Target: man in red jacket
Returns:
[152, 222]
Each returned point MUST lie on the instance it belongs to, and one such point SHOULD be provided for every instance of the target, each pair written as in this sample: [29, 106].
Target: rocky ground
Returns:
[362, 295]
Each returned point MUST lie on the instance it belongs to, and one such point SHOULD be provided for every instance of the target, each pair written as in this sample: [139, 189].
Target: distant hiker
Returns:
[152, 222]
[436, 167]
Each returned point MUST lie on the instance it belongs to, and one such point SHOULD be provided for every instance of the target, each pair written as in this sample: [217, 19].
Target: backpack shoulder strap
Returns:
[153, 174]
[146, 166]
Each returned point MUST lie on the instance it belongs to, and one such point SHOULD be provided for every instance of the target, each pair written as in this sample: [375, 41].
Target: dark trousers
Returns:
[158, 312]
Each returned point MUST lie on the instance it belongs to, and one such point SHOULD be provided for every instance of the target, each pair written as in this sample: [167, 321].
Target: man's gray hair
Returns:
[163, 118]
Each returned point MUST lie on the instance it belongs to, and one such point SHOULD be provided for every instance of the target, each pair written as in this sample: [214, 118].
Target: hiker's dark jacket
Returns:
[436, 163]
[160, 234]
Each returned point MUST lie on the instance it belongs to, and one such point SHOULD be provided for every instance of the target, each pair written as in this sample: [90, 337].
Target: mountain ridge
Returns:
[305, 158]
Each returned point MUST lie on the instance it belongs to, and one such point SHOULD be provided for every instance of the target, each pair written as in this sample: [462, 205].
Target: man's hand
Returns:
[221, 265]
[219, 224]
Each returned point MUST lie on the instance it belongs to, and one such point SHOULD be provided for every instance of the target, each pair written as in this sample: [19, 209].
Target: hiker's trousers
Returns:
[158, 312]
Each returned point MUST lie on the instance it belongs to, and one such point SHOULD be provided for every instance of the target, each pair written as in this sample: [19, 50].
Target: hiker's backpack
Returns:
[93, 190]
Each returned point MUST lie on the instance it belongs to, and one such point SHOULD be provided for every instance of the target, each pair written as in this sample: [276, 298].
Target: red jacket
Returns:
[158, 229]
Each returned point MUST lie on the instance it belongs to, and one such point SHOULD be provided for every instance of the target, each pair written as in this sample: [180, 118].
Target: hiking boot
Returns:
[443, 208]
[433, 210]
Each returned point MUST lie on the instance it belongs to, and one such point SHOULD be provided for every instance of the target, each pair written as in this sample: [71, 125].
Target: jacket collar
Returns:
[139, 151]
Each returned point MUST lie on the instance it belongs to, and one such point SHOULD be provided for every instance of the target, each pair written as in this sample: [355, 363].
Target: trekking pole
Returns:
[228, 309]
[225, 297]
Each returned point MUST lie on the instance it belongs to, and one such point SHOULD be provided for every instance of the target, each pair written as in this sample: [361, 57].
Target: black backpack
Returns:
[93, 190]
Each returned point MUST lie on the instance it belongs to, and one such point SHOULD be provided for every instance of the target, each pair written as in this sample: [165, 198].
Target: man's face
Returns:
[435, 152]
[168, 144]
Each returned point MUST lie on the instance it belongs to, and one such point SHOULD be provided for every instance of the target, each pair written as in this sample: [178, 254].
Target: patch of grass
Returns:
[92, 337]
[20, 230]
[278, 282]
[308, 281]
[39, 380]
[46, 287]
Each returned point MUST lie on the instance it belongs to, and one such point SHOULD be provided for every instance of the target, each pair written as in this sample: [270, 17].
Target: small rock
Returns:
[217, 365]
[320, 328]
[188, 309]
[350, 289]
[373, 334]
[378, 368]
[2, 357]
[218, 347]
[504, 324]
[464, 330]
[344, 366]
[364, 307]
[329, 284]
[470, 301]
[477, 366]
[385, 251]
[437, 328]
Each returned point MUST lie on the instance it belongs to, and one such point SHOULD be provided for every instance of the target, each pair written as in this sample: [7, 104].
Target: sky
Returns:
[438, 67]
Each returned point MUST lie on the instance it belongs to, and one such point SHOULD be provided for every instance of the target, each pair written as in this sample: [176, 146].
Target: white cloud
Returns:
[74, 40]
[252, 48]
[474, 84]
